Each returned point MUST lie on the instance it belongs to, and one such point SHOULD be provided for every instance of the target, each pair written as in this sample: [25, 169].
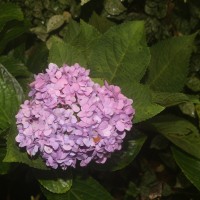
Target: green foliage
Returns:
[83, 37]
[82, 189]
[12, 24]
[58, 186]
[37, 60]
[77, 45]
[121, 48]
[9, 12]
[180, 132]
[114, 7]
[10, 91]
[124, 43]
[14, 66]
[55, 22]
[189, 165]
[169, 57]
[61, 53]
[168, 99]
[156, 8]
[101, 23]
[84, 2]
[143, 103]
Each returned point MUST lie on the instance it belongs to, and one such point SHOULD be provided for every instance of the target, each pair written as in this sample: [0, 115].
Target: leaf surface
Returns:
[168, 68]
[145, 108]
[117, 54]
[63, 53]
[11, 96]
[9, 12]
[58, 186]
[180, 132]
[168, 99]
[82, 189]
[189, 165]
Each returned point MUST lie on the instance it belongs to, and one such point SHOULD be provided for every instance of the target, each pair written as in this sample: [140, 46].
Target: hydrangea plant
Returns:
[69, 118]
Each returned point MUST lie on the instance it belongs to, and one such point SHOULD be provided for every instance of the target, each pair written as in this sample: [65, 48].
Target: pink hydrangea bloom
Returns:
[71, 119]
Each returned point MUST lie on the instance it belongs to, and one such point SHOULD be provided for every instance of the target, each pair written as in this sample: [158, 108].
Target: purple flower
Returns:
[70, 119]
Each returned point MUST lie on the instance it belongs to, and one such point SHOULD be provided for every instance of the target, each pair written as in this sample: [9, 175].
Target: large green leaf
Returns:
[12, 32]
[9, 11]
[180, 132]
[63, 53]
[37, 58]
[11, 96]
[82, 38]
[123, 158]
[168, 99]
[121, 54]
[82, 189]
[169, 63]
[81, 35]
[14, 66]
[15, 154]
[58, 186]
[101, 23]
[189, 165]
[145, 108]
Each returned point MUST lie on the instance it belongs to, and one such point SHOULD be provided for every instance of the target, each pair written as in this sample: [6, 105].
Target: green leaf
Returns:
[194, 83]
[189, 165]
[180, 132]
[58, 186]
[117, 55]
[9, 11]
[82, 189]
[63, 53]
[14, 31]
[157, 9]
[82, 37]
[123, 158]
[145, 108]
[84, 2]
[100, 23]
[72, 33]
[41, 32]
[133, 148]
[15, 154]
[37, 58]
[24, 82]
[55, 22]
[14, 66]
[77, 44]
[168, 99]
[169, 57]
[114, 7]
[11, 96]
[188, 108]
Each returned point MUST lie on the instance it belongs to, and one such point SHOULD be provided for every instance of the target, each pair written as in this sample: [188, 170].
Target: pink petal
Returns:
[120, 126]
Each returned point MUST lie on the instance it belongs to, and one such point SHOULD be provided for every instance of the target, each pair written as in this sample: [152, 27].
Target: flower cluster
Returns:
[71, 119]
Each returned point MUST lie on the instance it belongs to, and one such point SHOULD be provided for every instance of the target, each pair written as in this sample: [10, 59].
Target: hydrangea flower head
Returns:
[70, 119]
